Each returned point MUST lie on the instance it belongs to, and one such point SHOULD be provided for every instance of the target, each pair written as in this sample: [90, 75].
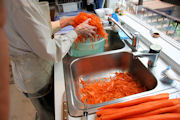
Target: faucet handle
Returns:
[135, 42]
[154, 48]
[134, 34]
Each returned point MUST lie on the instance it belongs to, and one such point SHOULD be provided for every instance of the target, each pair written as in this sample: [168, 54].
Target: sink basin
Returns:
[114, 41]
[98, 67]
[108, 64]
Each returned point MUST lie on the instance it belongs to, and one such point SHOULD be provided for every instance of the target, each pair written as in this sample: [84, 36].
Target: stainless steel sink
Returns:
[97, 67]
[116, 58]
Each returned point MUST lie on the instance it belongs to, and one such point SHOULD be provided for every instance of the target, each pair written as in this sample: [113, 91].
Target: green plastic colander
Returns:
[85, 49]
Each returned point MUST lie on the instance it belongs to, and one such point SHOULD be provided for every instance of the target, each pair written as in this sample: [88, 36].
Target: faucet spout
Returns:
[133, 37]
[118, 24]
[152, 54]
[152, 57]
[142, 54]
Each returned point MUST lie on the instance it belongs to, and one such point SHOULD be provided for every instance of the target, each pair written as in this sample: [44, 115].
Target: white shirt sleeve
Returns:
[34, 29]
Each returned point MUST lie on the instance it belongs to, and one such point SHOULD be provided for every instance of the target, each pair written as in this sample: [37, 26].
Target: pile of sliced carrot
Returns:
[98, 91]
[156, 107]
[95, 21]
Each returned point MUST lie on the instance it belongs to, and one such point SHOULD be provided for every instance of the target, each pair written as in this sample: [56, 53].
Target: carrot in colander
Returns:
[95, 21]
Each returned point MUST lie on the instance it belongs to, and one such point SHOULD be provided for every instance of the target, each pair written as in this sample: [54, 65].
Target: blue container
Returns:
[85, 49]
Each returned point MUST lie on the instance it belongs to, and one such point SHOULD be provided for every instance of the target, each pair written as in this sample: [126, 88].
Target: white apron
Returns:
[32, 50]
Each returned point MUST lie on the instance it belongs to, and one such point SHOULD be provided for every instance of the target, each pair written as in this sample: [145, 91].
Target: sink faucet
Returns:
[135, 40]
[153, 54]
[132, 36]
[152, 57]
[154, 49]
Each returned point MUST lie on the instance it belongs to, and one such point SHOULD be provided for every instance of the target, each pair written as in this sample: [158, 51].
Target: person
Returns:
[4, 67]
[33, 52]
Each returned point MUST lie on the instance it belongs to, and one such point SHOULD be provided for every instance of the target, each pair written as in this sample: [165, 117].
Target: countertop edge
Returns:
[59, 89]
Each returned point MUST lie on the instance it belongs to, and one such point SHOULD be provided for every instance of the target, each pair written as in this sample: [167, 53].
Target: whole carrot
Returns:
[176, 101]
[112, 111]
[139, 109]
[159, 111]
[137, 101]
[107, 111]
[177, 111]
[167, 116]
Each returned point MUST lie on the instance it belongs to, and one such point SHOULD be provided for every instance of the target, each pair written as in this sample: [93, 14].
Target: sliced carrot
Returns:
[139, 109]
[167, 116]
[137, 101]
[98, 91]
